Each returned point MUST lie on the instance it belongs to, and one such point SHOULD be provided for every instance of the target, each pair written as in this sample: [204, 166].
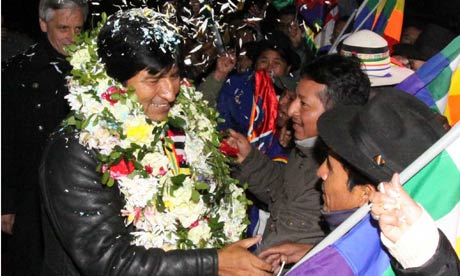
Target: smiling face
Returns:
[157, 92]
[64, 24]
[283, 105]
[336, 194]
[306, 109]
[273, 63]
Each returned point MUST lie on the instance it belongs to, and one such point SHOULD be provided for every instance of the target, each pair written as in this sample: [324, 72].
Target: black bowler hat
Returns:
[382, 137]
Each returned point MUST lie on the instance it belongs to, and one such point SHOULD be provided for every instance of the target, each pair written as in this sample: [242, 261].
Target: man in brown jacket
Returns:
[292, 192]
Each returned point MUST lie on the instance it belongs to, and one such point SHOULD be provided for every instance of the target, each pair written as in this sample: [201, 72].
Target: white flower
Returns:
[138, 191]
[194, 154]
[158, 161]
[233, 215]
[99, 138]
[103, 84]
[90, 105]
[119, 111]
[200, 232]
[80, 58]
[181, 206]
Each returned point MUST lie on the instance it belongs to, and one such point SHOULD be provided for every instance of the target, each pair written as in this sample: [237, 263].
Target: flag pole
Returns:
[367, 16]
[408, 173]
[344, 29]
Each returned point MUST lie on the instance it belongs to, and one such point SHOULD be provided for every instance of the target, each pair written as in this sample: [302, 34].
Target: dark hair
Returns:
[345, 82]
[128, 44]
[277, 41]
[355, 177]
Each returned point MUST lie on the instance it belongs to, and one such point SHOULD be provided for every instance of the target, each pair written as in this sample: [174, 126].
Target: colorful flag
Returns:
[359, 252]
[437, 82]
[324, 37]
[262, 122]
[319, 17]
[384, 17]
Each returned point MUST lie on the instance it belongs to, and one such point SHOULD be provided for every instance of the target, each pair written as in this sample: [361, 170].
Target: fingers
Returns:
[260, 264]
[270, 252]
[246, 243]
[273, 259]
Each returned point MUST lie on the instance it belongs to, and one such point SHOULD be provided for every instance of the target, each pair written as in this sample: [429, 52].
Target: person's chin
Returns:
[158, 118]
[299, 136]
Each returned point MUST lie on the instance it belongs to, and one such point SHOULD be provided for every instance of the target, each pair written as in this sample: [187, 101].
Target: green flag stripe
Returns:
[437, 186]
[388, 272]
[440, 86]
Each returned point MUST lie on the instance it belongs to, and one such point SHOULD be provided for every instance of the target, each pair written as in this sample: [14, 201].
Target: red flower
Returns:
[121, 169]
[148, 169]
[195, 224]
[107, 95]
[228, 150]
[162, 171]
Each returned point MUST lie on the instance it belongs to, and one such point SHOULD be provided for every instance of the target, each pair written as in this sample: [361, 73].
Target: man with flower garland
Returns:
[157, 153]
[33, 105]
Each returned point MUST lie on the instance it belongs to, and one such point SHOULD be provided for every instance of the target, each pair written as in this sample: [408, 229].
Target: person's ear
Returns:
[364, 192]
[43, 25]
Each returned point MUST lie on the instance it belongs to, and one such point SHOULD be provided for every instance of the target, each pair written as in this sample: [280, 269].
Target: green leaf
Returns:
[177, 122]
[195, 196]
[110, 182]
[115, 155]
[138, 165]
[201, 185]
[160, 204]
[178, 179]
[105, 177]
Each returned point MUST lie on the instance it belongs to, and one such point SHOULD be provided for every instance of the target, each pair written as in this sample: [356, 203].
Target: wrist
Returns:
[219, 75]
[417, 244]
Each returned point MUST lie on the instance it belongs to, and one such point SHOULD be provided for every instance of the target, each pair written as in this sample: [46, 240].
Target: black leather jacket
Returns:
[84, 231]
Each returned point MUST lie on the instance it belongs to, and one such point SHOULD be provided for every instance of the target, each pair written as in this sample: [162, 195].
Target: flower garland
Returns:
[203, 209]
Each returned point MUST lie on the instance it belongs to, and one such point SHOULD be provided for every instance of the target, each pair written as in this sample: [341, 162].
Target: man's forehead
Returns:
[271, 52]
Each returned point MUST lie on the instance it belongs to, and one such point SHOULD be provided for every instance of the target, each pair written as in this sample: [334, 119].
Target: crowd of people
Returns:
[312, 135]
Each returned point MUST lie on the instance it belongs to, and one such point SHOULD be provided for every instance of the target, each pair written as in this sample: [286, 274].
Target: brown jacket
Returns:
[291, 191]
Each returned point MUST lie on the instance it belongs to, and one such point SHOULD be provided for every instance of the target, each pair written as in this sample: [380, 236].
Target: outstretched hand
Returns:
[239, 141]
[224, 66]
[236, 260]
[394, 209]
[287, 252]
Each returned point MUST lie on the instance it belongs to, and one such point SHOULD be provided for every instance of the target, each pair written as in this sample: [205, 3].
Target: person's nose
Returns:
[69, 35]
[293, 107]
[270, 67]
[322, 171]
[169, 88]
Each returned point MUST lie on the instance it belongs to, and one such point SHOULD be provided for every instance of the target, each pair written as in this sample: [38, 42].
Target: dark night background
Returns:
[22, 15]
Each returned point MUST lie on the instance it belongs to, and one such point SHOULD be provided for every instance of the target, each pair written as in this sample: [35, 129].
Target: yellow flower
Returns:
[138, 131]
